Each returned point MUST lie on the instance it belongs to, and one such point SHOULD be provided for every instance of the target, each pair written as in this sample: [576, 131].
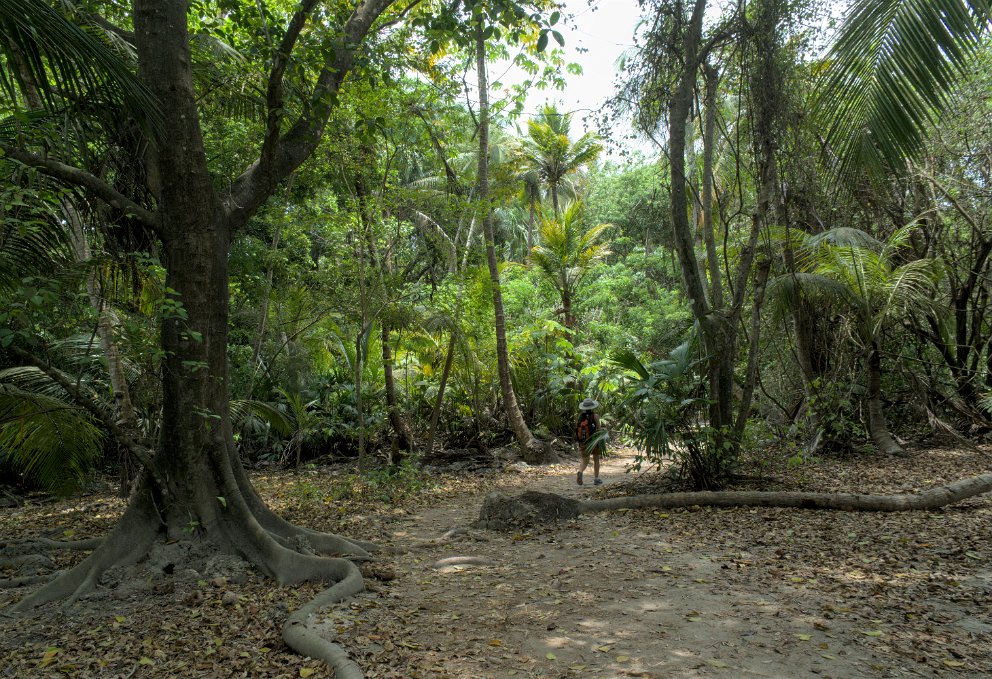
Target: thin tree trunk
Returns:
[107, 324]
[709, 136]
[436, 411]
[263, 311]
[878, 427]
[566, 306]
[363, 461]
[530, 225]
[401, 434]
[533, 451]
[714, 327]
[751, 377]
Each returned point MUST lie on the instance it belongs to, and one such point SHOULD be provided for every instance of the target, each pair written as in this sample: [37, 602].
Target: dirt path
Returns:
[652, 594]
[722, 593]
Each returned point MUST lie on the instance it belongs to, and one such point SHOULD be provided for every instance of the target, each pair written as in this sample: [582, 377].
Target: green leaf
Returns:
[542, 41]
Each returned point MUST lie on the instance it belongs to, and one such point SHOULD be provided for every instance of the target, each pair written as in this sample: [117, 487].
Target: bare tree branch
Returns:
[274, 91]
[97, 20]
[283, 155]
[82, 179]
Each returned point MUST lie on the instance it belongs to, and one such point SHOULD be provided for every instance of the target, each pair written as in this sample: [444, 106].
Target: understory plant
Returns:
[663, 413]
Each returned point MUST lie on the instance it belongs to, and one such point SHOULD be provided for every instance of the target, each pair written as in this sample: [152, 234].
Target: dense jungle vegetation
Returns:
[282, 233]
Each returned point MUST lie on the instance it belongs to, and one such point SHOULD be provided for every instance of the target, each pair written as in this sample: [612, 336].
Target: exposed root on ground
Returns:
[48, 543]
[462, 561]
[126, 544]
[13, 583]
[22, 561]
[287, 553]
[300, 636]
[503, 512]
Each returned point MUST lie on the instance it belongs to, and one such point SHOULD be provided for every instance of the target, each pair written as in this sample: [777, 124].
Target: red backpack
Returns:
[586, 428]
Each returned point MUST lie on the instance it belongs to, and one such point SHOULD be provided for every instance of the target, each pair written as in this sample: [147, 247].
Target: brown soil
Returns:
[682, 593]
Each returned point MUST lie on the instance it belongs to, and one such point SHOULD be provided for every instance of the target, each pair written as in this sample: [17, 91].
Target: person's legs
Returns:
[583, 464]
[595, 467]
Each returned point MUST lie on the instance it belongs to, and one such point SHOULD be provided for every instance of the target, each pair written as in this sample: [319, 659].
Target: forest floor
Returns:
[641, 593]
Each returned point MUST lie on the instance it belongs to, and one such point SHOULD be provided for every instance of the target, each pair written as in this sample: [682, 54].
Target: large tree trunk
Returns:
[534, 452]
[195, 483]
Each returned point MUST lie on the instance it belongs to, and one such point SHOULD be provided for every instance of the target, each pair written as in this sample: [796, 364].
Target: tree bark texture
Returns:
[712, 81]
[195, 482]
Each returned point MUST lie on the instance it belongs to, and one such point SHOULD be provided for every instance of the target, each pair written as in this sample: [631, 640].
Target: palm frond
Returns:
[245, 410]
[889, 74]
[842, 235]
[32, 245]
[27, 378]
[47, 439]
[783, 293]
[628, 360]
[64, 60]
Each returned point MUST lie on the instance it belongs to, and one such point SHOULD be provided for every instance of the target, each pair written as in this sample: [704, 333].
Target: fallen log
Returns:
[504, 512]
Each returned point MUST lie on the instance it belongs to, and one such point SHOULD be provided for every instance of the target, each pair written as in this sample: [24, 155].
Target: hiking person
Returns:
[588, 425]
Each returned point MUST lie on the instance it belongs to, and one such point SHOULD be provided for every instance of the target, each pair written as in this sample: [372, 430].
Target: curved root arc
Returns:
[297, 632]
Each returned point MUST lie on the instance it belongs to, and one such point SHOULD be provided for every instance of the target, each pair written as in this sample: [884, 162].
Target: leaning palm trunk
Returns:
[533, 450]
[878, 427]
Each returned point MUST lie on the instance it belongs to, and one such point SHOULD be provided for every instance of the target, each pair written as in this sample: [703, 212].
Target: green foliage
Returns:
[66, 61]
[835, 406]
[890, 72]
[45, 438]
[392, 484]
[664, 413]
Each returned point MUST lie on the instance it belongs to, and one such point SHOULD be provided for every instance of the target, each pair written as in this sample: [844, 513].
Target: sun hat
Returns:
[589, 404]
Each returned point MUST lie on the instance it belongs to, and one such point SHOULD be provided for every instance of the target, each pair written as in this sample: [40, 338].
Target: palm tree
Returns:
[549, 152]
[567, 252]
[890, 72]
[848, 268]
[533, 450]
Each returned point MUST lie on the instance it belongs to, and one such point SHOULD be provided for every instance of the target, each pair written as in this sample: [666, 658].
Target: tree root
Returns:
[48, 543]
[298, 634]
[273, 545]
[12, 583]
[462, 561]
[128, 542]
[502, 512]
[22, 560]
